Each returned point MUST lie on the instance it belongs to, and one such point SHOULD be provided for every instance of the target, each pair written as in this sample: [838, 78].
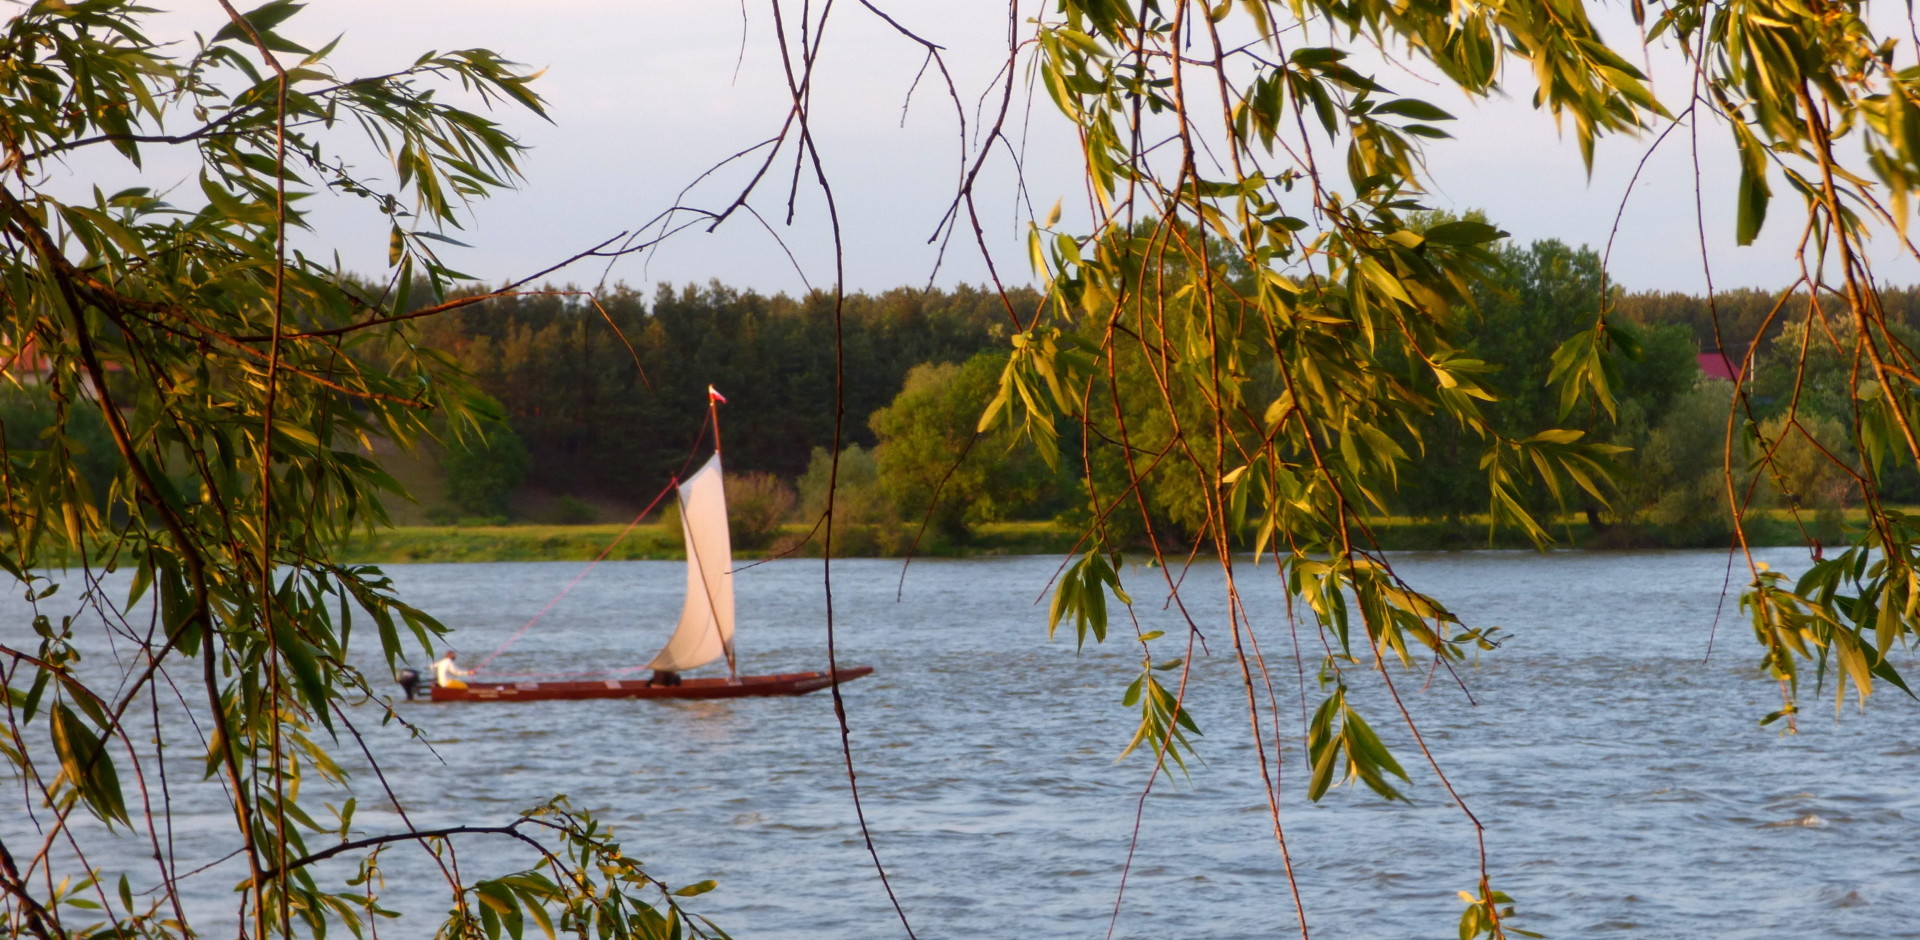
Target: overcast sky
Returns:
[645, 95]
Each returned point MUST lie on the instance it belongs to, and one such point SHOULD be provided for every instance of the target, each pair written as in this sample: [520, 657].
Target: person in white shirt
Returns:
[447, 675]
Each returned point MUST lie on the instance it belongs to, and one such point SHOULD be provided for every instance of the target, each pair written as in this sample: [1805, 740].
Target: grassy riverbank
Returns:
[652, 541]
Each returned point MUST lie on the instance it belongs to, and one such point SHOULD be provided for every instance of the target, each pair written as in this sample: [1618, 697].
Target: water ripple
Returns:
[1626, 787]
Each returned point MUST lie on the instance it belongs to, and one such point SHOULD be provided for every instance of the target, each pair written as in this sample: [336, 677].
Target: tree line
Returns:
[1735, 321]
[598, 398]
[195, 396]
[602, 396]
[606, 391]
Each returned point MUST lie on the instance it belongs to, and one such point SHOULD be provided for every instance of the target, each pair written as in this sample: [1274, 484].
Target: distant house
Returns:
[26, 365]
[1718, 366]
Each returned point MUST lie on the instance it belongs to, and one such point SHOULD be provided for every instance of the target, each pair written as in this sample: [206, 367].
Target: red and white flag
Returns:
[715, 396]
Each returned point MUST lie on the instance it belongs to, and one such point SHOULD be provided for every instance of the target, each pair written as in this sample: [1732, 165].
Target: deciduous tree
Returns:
[241, 384]
[934, 464]
[1280, 132]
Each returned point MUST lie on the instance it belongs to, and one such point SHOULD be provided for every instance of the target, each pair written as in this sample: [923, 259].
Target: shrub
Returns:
[757, 503]
[572, 510]
[485, 467]
[857, 498]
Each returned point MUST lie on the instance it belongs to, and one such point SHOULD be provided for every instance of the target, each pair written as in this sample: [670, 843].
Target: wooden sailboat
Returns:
[705, 632]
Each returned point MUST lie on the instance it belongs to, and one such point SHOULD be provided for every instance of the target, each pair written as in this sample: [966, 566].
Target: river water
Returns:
[1625, 783]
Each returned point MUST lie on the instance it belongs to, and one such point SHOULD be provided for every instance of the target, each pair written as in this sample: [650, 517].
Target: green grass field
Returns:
[513, 543]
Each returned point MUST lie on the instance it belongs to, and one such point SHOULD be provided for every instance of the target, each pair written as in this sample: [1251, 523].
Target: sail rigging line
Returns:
[579, 674]
[714, 400]
[557, 598]
[673, 483]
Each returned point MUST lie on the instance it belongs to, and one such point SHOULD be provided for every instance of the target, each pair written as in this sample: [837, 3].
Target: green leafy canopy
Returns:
[209, 399]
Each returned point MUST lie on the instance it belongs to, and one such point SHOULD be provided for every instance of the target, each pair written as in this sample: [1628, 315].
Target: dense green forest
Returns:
[607, 391]
[601, 396]
[1735, 319]
[603, 393]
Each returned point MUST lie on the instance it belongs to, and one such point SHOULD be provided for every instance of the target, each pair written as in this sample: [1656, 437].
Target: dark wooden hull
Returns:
[791, 683]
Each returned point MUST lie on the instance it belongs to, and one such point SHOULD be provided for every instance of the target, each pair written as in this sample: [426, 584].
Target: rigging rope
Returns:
[672, 484]
[583, 674]
[517, 634]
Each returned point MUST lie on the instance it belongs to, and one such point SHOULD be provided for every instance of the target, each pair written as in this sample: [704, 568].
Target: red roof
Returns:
[1718, 366]
[26, 361]
[29, 365]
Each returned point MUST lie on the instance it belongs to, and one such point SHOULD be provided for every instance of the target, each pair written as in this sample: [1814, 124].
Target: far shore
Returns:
[488, 543]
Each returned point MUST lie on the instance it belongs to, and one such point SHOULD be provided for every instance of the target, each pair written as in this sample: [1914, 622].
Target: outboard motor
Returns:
[409, 682]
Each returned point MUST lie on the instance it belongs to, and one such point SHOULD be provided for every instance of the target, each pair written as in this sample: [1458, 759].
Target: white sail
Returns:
[706, 623]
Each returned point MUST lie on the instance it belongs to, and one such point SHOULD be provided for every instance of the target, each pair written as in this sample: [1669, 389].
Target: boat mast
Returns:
[714, 401]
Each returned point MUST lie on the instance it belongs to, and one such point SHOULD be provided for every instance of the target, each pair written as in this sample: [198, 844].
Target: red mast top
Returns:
[714, 401]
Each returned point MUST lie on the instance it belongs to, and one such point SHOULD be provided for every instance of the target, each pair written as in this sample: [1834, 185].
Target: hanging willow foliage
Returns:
[1256, 329]
[1264, 315]
[230, 390]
